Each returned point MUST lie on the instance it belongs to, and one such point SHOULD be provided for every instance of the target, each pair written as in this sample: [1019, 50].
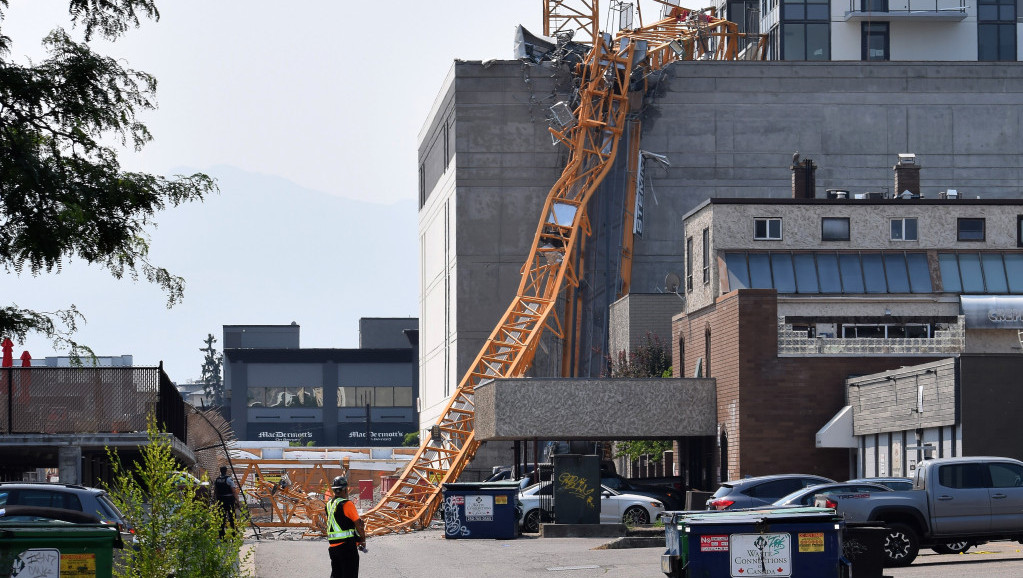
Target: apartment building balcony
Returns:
[948, 340]
[906, 10]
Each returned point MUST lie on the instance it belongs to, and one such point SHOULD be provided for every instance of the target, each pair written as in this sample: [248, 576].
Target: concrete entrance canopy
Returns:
[595, 409]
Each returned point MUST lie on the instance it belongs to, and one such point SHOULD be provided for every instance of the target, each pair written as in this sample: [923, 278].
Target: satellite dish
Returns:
[671, 283]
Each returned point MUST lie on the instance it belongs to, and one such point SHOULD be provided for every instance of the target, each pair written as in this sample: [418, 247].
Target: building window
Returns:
[706, 352]
[768, 229]
[874, 5]
[904, 229]
[384, 396]
[996, 273]
[996, 30]
[285, 397]
[806, 40]
[1019, 230]
[834, 228]
[681, 357]
[826, 272]
[875, 41]
[422, 185]
[689, 263]
[970, 230]
[706, 256]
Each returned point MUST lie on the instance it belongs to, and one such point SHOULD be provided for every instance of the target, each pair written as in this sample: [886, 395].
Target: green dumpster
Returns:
[34, 547]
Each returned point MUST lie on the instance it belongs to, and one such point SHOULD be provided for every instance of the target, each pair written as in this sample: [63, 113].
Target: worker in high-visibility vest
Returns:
[346, 532]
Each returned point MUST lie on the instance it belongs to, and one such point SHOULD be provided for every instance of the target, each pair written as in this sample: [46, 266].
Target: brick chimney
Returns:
[907, 175]
[804, 178]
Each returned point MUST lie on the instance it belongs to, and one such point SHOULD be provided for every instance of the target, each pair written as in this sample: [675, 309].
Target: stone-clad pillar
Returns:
[69, 464]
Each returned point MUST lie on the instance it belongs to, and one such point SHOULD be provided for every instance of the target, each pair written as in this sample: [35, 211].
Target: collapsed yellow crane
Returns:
[592, 137]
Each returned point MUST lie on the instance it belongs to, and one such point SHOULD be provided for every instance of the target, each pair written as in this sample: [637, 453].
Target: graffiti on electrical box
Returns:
[578, 487]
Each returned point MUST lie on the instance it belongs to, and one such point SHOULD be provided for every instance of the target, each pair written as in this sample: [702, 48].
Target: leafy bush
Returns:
[177, 528]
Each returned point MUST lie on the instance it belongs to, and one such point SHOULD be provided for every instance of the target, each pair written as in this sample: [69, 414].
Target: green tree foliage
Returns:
[212, 379]
[177, 526]
[63, 193]
[650, 359]
[411, 440]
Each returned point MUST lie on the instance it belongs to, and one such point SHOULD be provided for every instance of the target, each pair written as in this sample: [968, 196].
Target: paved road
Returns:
[427, 554]
[994, 560]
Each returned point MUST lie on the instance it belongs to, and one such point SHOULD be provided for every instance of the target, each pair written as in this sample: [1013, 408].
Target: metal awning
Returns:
[838, 432]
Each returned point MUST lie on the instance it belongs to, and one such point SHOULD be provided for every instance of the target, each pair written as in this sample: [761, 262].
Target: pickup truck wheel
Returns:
[900, 546]
[957, 547]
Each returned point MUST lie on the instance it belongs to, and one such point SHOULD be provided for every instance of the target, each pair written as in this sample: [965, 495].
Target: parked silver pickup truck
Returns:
[954, 503]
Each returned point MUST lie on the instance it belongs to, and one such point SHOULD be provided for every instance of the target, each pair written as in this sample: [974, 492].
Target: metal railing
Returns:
[68, 400]
[948, 341]
[922, 7]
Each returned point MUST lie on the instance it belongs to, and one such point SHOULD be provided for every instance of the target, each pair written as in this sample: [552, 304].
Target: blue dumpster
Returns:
[481, 510]
[790, 542]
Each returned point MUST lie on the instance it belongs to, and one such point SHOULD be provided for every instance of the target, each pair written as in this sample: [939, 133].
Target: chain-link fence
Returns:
[60, 400]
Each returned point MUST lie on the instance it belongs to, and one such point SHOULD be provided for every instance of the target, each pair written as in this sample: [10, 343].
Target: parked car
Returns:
[615, 507]
[760, 491]
[91, 501]
[893, 483]
[955, 502]
[808, 496]
[505, 474]
[672, 498]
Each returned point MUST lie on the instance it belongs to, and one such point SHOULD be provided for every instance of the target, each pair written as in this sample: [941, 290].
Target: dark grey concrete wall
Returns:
[730, 128]
[261, 336]
[505, 166]
[591, 409]
[385, 332]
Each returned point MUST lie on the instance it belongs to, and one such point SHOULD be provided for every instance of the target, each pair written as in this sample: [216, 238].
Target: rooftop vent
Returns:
[949, 194]
[835, 194]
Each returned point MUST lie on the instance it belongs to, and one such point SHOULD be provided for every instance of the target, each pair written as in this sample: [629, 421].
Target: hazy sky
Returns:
[327, 95]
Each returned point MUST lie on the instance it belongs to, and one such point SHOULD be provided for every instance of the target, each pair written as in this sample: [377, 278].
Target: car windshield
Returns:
[723, 491]
[107, 511]
[794, 496]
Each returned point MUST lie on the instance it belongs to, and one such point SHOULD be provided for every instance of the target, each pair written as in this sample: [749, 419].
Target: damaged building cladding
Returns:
[728, 129]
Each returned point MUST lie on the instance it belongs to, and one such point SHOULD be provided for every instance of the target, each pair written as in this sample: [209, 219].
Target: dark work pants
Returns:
[344, 561]
[227, 505]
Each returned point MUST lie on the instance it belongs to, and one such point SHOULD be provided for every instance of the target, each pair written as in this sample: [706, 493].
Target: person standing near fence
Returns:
[225, 490]
[346, 532]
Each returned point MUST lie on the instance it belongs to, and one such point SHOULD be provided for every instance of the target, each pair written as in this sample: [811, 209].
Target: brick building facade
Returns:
[769, 407]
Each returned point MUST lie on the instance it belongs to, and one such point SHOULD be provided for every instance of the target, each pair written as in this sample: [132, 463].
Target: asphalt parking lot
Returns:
[427, 553]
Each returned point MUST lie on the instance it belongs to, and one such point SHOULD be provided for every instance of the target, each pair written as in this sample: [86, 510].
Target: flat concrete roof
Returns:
[595, 409]
[41, 449]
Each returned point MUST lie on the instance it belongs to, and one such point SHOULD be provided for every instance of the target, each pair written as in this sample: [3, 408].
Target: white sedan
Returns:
[615, 507]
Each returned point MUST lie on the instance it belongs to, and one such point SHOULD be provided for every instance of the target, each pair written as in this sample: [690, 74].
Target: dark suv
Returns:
[760, 491]
[90, 501]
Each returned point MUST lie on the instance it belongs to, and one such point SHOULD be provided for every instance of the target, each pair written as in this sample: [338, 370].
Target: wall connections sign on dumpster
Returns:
[786, 542]
[760, 554]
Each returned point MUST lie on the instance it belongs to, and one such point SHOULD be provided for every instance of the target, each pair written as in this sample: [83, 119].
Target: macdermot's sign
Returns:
[993, 312]
[379, 434]
[302, 433]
